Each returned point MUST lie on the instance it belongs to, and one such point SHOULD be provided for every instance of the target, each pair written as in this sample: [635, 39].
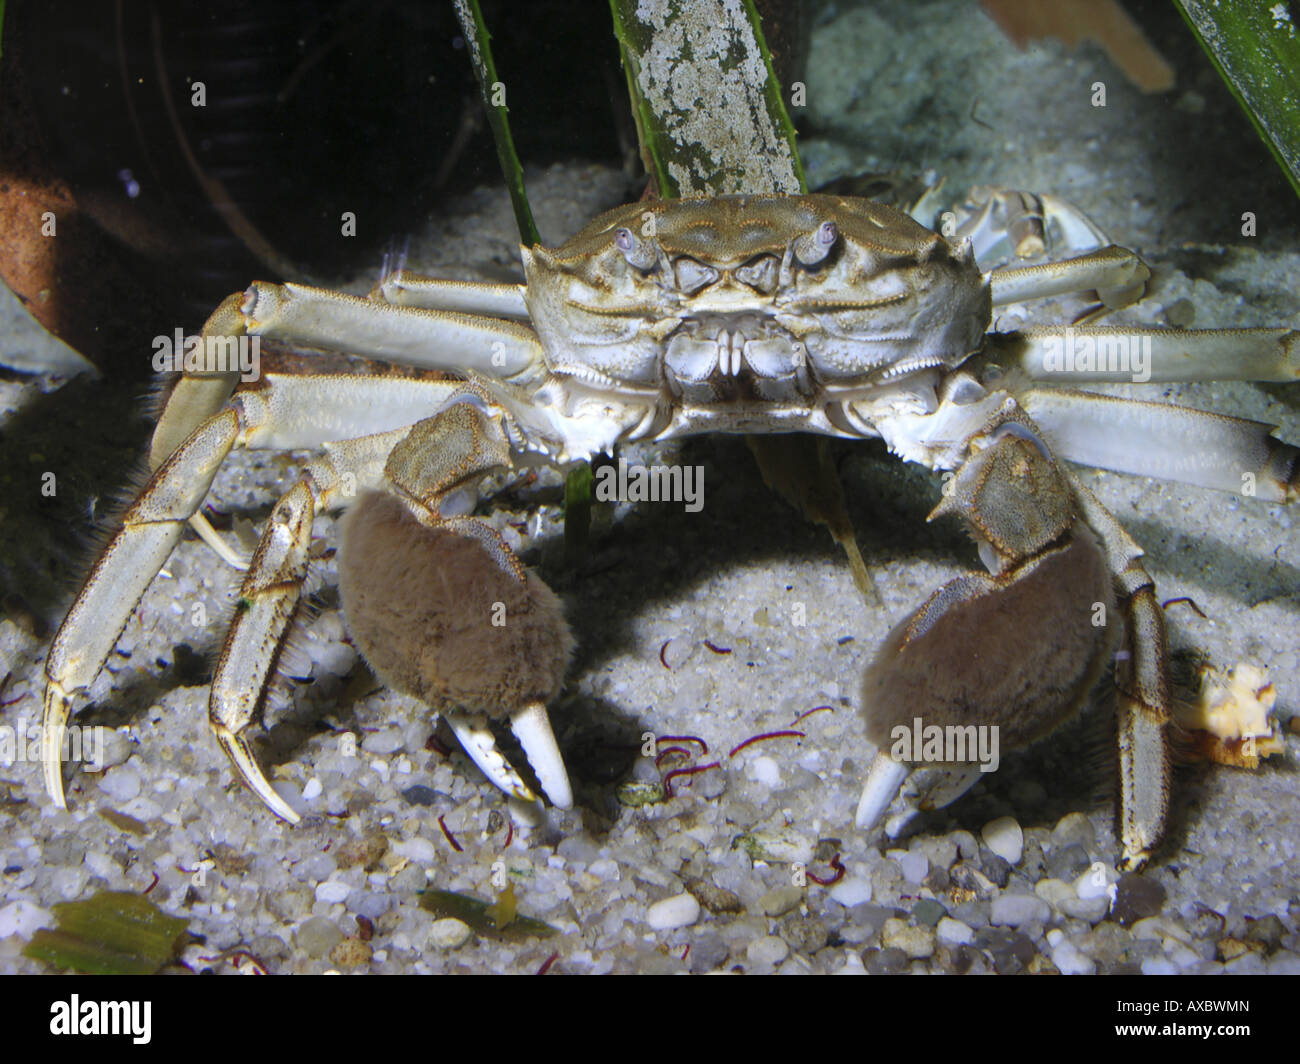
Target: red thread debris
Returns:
[546, 965]
[442, 823]
[661, 655]
[670, 751]
[717, 650]
[153, 884]
[704, 747]
[1176, 601]
[810, 712]
[766, 735]
[510, 834]
[840, 873]
[668, 779]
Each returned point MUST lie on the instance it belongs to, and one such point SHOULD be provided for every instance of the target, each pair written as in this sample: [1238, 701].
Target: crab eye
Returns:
[692, 275]
[760, 273]
[811, 248]
[638, 253]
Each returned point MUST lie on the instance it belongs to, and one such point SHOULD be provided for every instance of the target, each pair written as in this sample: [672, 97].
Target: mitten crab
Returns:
[742, 314]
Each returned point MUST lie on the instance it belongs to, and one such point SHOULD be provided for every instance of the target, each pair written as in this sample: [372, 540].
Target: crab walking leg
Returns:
[1168, 441]
[1101, 353]
[405, 336]
[1116, 274]
[153, 524]
[404, 289]
[151, 528]
[268, 600]
[884, 780]
[1144, 714]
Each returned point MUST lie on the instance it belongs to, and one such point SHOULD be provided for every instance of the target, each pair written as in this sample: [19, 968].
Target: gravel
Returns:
[741, 869]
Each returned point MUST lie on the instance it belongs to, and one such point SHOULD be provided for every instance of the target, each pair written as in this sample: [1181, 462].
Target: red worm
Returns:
[442, 823]
[766, 735]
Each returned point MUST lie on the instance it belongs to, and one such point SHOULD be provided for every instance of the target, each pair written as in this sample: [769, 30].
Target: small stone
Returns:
[890, 961]
[116, 749]
[121, 784]
[954, 932]
[1004, 837]
[851, 891]
[1074, 829]
[914, 866]
[1267, 932]
[1016, 910]
[1069, 961]
[1012, 951]
[366, 852]
[970, 881]
[383, 742]
[1158, 966]
[780, 901]
[1136, 897]
[420, 795]
[1158, 927]
[927, 912]
[1096, 882]
[351, 953]
[713, 897]
[916, 942]
[418, 851]
[1067, 862]
[968, 847]
[1284, 962]
[767, 951]
[449, 933]
[998, 869]
[1092, 910]
[1054, 891]
[312, 790]
[681, 910]
[332, 891]
[23, 919]
[317, 936]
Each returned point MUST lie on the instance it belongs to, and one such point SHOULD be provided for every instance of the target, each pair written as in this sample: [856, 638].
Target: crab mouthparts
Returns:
[724, 358]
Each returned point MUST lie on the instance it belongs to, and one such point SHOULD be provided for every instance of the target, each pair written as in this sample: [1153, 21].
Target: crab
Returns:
[738, 314]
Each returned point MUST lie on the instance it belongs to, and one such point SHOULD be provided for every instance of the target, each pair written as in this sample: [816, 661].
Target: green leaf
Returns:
[112, 933]
[1256, 50]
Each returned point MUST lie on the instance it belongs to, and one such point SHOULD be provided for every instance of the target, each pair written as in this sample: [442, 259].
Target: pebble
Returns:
[916, 942]
[1093, 910]
[1284, 962]
[927, 912]
[23, 919]
[317, 936]
[419, 794]
[681, 910]
[764, 770]
[121, 784]
[351, 953]
[449, 933]
[418, 850]
[117, 748]
[1054, 891]
[606, 870]
[968, 847]
[1066, 862]
[332, 890]
[954, 932]
[1136, 897]
[914, 866]
[1096, 882]
[1160, 928]
[312, 790]
[890, 961]
[1074, 829]
[383, 742]
[996, 868]
[1004, 837]
[713, 897]
[851, 891]
[1158, 966]
[1070, 961]
[780, 901]
[1015, 910]
[767, 950]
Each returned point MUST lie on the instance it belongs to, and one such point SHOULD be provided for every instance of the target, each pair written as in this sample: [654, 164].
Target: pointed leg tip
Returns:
[532, 727]
[241, 756]
[884, 779]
